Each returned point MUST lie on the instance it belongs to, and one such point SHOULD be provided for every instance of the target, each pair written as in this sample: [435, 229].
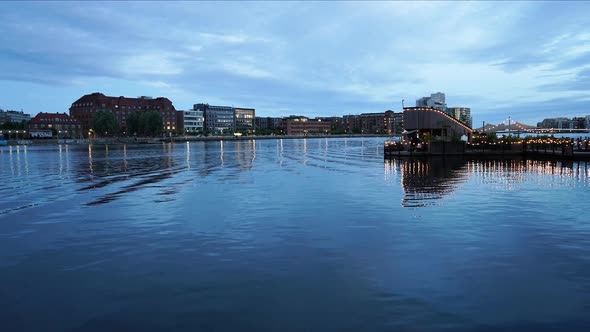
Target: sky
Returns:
[526, 60]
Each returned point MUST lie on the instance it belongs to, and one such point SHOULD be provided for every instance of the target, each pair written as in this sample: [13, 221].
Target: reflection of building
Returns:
[86, 106]
[434, 123]
[244, 153]
[426, 180]
[301, 125]
[244, 119]
[13, 116]
[462, 114]
[60, 123]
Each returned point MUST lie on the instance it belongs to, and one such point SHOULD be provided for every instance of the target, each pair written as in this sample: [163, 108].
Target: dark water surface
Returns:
[289, 235]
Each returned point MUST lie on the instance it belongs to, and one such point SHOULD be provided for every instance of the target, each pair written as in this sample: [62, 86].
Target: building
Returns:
[336, 121]
[223, 119]
[433, 123]
[578, 123]
[398, 123]
[218, 119]
[87, 106]
[555, 123]
[352, 123]
[13, 116]
[301, 125]
[380, 123]
[180, 121]
[436, 100]
[268, 123]
[244, 119]
[193, 121]
[462, 114]
[61, 124]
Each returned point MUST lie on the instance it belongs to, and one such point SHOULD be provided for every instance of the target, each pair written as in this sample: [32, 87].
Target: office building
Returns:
[193, 121]
[462, 114]
[436, 100]
[268, 123]
[217, 119]
[244, 120]
[13, 116]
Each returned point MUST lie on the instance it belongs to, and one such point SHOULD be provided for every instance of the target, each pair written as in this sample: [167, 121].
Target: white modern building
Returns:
[193, 120]
[14, 116]
[436, 100]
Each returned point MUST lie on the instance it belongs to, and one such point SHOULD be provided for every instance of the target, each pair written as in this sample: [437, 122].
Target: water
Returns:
[289, 235]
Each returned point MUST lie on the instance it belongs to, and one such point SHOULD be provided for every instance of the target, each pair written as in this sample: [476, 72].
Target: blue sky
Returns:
[527, 60]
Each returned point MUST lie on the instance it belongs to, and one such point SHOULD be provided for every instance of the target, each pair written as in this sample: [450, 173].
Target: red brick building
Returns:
[85, 107]
[301, 125]
[60, 123]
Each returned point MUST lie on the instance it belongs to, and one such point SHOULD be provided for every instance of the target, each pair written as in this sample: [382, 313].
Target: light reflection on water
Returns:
[316, 234]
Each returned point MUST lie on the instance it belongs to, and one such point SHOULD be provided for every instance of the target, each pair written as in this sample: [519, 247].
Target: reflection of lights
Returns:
[421, 183]
[125, 157]
[188, 154]
[61, 164]
[90, 158]
[221, 152]
[305, 151]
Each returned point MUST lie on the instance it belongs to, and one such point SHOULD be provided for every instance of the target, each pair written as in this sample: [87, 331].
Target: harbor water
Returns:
[289, 235]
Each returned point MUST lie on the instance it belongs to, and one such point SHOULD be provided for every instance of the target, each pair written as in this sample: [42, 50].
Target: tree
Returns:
[153, 123]
[134, 125]
[14, 125]
[105, 123]
[144, 123]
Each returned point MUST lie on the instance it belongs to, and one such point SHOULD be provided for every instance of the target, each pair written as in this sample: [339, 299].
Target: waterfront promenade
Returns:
[157, 140]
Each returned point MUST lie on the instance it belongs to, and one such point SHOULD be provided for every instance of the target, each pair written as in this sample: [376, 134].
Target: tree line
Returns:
[138, 123]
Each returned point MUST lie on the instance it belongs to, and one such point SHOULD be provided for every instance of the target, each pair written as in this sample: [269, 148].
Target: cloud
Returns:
[312, 58]
[246, 70]
[160, 64]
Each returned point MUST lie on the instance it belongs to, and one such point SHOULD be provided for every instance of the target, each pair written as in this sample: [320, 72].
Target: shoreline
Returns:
[177, 139]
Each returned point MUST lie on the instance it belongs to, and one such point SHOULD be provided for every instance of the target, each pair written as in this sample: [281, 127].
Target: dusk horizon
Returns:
[300, 58]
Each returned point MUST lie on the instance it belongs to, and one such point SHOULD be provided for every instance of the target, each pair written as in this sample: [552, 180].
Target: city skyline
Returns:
[311, 59]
